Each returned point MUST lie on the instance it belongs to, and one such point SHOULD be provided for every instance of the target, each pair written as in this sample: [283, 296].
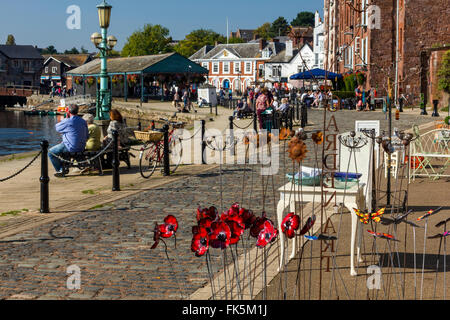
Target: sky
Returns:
[44, 22]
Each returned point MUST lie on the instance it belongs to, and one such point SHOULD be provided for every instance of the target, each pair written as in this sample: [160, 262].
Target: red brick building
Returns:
[363, 35]
[236, 66]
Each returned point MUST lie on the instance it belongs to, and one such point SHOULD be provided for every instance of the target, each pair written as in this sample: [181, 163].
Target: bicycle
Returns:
[154, 145]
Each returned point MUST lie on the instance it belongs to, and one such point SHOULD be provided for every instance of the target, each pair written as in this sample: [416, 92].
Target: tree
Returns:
[10, 41]
[49, 50]
[304, 19]
[196, 40]
[264, 31]
[280, 27]
[72, 51]
[151, 39]
[236, 40]
[83, 50]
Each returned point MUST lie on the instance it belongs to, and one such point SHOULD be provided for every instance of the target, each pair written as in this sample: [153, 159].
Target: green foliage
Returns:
[304, 19]
[72, 51]
[344, 94]
[196, 40]
[360, 78]
[235, 40]
[447, 120]
[350, 82]
[10, 40]
[83, 50]
[151, 39]
[280, 27]
[49, 50]
[264, 31]
[444, 73]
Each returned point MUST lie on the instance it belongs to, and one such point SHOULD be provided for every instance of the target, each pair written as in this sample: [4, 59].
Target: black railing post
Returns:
[230, 119]
[166, 151]
[115, 162]
[203, 141]
[435, 108]
[291, 118]
[255, 120]
[44, 179]
[304, 115]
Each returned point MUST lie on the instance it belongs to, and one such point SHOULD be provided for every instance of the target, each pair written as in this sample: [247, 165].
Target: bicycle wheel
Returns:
[148, 161]
[176, 153]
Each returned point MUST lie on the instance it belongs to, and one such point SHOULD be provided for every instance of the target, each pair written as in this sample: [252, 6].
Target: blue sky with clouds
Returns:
[43, 22]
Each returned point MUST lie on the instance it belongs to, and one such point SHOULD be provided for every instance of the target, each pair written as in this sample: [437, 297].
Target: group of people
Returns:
[260, 99]
[365, 99]
[62, 92]
[182, 99]
[82, 134]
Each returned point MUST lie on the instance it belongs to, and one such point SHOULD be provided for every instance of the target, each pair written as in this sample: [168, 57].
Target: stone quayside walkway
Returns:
[111, 245]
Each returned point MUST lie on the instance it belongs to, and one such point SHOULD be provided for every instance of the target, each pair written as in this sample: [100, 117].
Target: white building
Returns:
[236, 66]
[318, 48]
[288, 62]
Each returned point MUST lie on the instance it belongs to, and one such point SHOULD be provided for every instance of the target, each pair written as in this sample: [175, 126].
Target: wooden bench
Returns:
[78, 159]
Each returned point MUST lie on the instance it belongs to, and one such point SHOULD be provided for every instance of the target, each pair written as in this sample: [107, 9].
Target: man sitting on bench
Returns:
[74, 132]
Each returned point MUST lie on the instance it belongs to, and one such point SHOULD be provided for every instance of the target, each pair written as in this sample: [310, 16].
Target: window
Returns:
[248, 67]
[26, 65]
[205, 65]
[276, 71]
[215, 67]
[237, 67]
[46, 69]
[54, 69]
[226, 67]
[16, 63]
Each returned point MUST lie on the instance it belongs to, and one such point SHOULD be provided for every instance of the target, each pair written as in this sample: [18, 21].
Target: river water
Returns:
[20, 133]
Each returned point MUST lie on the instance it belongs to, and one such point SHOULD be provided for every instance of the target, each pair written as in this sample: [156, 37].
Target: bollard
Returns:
[255, 120]
[166, 151]
[44, 179]
[210, 108]
[203, 141]
[216, 111]
[423, 105]
[400, 103]
[304, 115]
[435, 108]
[230, 119]
[291, 118]
[297, 107]
[115, 162]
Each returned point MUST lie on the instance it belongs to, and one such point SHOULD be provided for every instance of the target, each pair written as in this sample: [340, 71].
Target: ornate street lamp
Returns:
[104, 44]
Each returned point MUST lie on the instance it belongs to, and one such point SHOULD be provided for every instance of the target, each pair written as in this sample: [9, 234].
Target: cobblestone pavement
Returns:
[112, 244]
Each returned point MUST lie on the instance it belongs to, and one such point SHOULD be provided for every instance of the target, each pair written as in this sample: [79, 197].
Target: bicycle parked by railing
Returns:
[151, 155]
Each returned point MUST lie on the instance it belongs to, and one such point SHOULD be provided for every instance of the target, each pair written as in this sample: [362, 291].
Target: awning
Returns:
[316, 74]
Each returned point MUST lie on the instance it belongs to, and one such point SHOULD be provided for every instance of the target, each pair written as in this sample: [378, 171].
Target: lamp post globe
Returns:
[96, 39]
[112, 41]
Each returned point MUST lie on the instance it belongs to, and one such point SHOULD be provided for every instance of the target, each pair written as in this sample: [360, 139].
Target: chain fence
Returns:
[23, 169]
[84, 161]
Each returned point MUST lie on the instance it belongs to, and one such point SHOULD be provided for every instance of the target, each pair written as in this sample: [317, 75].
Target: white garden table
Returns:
[350, 198]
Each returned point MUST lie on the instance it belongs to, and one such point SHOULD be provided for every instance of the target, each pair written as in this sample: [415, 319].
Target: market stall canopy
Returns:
[316, 74]
[169, 63]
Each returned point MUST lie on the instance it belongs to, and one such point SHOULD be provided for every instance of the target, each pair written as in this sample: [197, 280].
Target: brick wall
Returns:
[424, 24]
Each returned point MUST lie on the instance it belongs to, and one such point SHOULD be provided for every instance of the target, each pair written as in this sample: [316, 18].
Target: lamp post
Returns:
[104, 44]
